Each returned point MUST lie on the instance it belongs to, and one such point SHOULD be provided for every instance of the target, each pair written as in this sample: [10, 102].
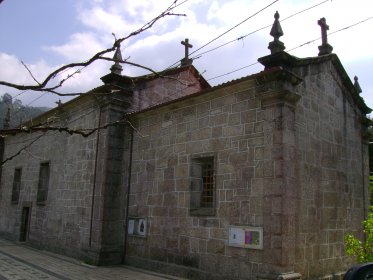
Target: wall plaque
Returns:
[246, 237]
[137, 227]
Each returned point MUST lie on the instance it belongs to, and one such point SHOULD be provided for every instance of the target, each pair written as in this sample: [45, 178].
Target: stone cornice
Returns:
[279, 98]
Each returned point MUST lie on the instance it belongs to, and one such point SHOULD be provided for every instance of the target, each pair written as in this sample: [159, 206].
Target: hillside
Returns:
[19, 113]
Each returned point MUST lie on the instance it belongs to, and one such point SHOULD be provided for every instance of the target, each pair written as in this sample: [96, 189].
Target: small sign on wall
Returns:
[137, 226]
[246, 237]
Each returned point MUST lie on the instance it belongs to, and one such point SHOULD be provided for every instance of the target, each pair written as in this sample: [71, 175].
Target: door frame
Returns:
[24, 228]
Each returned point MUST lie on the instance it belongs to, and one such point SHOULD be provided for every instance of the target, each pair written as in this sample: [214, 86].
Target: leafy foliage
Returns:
[18, 112]
[371, 188]
[363, 251]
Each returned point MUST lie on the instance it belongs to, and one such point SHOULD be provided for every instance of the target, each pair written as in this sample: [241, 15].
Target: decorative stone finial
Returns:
[357, 85]
[186, 60]
[6, 123]
[325, 48]
[117, 68]
[276, 32]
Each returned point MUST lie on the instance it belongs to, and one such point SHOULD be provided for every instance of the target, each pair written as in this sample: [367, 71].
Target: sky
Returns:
[46, 34]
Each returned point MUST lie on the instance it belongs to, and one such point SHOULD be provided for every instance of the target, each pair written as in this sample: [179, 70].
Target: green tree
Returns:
[363, 251]
[18, 112]
[371, 188]
[7, 99]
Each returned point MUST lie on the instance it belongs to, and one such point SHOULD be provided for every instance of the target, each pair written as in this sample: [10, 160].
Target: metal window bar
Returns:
[207, 195]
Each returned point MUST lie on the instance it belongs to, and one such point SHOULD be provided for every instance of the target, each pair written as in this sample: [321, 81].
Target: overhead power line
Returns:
[230, 29]
[297, 47]
[225, 32]
[259, 29]
[331, 33]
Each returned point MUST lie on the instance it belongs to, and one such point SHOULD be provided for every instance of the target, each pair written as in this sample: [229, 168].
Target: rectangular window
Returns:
[202, 186]
[207, 195]
[16, 185]
[43, 183]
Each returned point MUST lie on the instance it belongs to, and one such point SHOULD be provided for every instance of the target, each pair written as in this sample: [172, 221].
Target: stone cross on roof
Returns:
[59, 103]
[186, 60]
[325, 48]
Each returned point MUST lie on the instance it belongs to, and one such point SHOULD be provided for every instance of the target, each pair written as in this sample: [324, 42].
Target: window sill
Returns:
[203, 212]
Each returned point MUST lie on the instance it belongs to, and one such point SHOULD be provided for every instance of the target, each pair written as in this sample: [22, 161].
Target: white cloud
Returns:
[103, 21]
[80, 47]
[14, 71]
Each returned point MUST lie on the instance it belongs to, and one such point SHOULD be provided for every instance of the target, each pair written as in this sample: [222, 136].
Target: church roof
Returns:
[149, 77]
[261, 77]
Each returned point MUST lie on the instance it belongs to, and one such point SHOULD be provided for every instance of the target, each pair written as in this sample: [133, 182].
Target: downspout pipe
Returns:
[128, 196]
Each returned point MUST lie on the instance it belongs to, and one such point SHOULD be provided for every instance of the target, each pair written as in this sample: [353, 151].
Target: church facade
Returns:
[257, 178]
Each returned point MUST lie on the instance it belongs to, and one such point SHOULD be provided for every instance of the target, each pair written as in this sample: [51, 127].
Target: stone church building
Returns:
[257, 178]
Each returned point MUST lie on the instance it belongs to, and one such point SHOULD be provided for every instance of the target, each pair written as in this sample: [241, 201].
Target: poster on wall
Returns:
[131, 226]
[142, 227]
[246, 237]
[137, 227]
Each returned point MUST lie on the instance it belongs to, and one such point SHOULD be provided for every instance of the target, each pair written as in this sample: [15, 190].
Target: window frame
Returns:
[16, 186]
[203, 185]
[43, 183]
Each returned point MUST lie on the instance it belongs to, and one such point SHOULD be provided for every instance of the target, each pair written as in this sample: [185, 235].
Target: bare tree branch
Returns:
[32, 76]
[43, 86]
[85, 132]
[155, 73]
[40, 128]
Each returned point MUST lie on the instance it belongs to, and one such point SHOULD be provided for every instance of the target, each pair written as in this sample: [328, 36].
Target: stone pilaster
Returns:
[280, 196]
[107, 237]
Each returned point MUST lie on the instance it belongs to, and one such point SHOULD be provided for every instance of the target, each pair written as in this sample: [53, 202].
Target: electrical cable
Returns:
[231, 72]
[230, 29]
[225, 32]
[301, 45]
[331, 33]
[261, 28]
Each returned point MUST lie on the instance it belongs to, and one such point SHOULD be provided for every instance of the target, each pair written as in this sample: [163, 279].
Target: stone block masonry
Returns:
[331, 155]
[241, 133]
[281, 152]
[289, 158]
[62, 224]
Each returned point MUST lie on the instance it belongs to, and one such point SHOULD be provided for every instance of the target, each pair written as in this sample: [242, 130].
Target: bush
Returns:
[356, 248]
[371, 189]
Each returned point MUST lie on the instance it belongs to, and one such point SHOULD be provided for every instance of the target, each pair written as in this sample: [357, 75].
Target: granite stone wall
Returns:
[289, 158]
[244, 135]
[168, 87]
[332, 166]
[84, 214]
[63, 223]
